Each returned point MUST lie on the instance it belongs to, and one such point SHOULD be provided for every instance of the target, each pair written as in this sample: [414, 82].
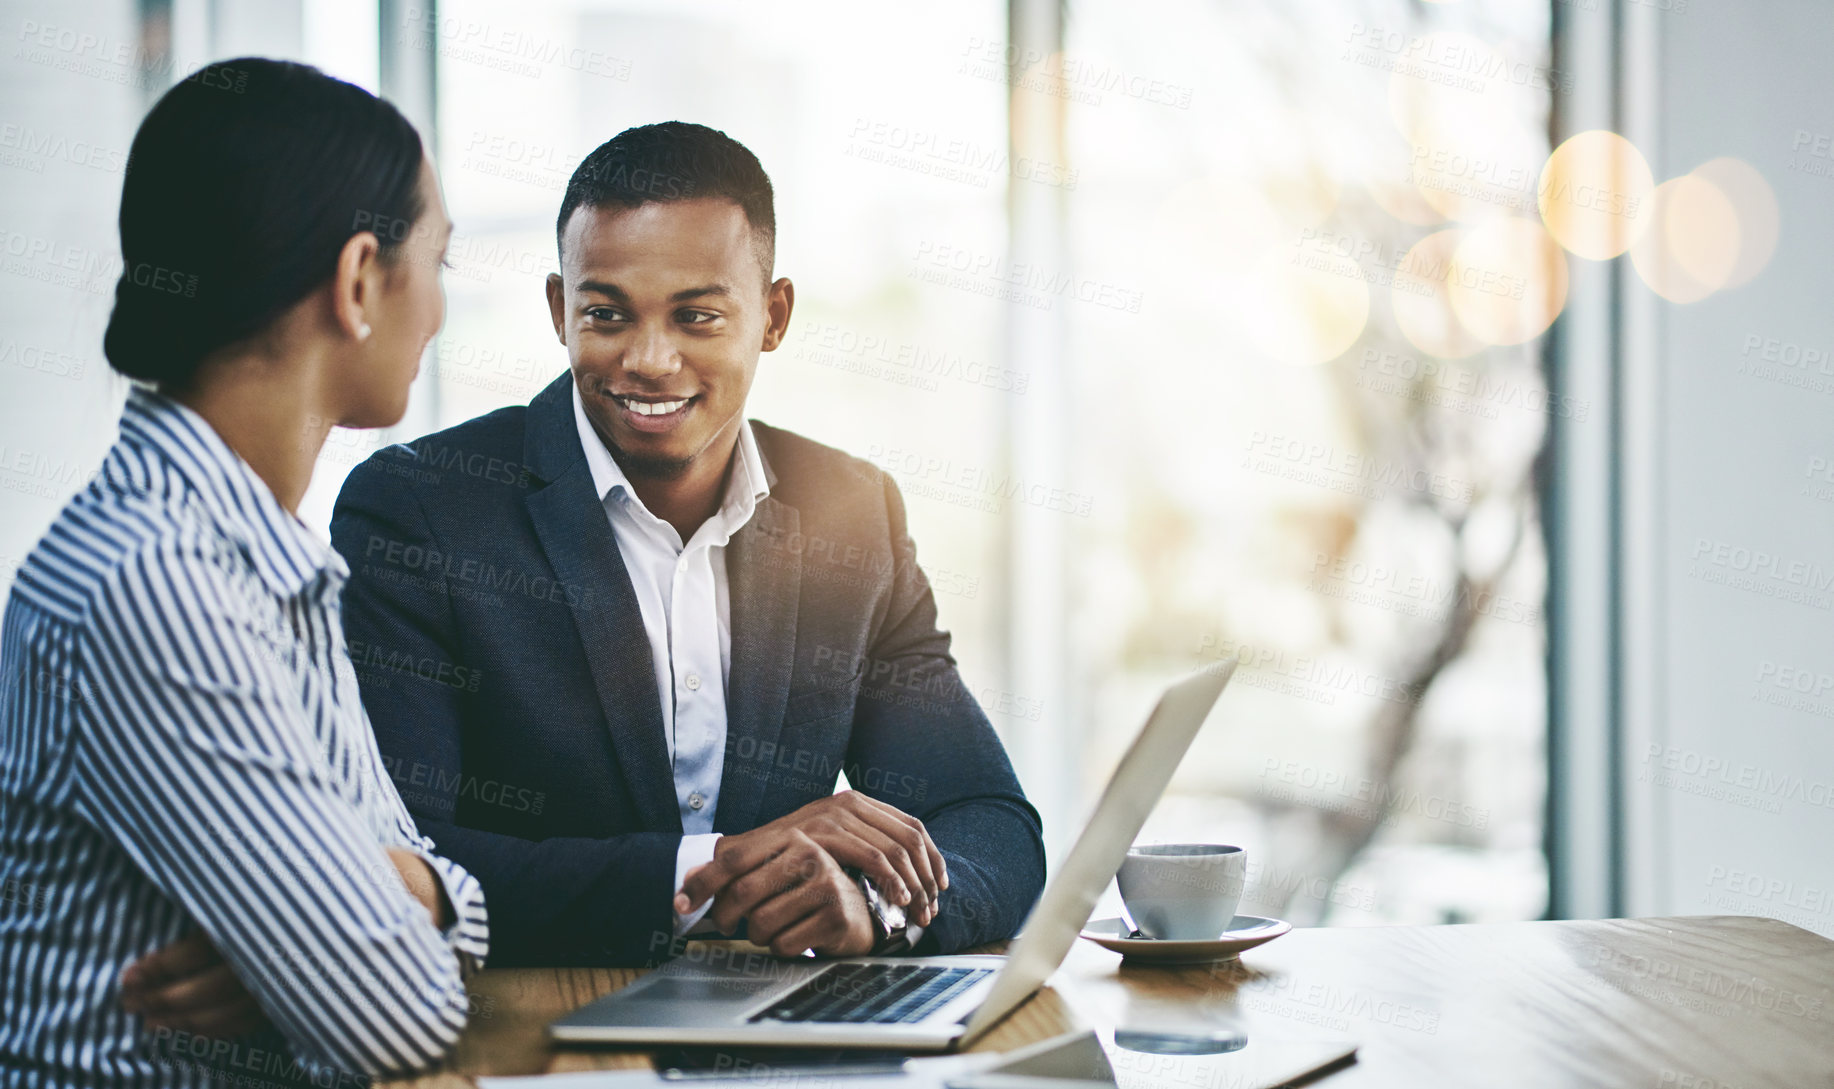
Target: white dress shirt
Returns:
[682, 592]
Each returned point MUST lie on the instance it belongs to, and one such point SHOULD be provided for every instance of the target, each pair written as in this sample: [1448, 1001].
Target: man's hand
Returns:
[790, 892]
[188, 987]
[885, 843]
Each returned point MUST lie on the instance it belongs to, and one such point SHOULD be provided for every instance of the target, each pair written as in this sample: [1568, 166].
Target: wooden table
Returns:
[1704, 1002]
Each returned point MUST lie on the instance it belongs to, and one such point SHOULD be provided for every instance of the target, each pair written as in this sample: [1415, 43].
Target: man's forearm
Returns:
[995, 854]
[571, 900]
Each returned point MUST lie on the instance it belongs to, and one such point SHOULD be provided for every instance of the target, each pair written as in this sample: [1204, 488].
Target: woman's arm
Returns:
[198, 759]
[188, 987]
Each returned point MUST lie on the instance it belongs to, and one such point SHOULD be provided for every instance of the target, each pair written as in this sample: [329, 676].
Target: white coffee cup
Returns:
[1183, 891]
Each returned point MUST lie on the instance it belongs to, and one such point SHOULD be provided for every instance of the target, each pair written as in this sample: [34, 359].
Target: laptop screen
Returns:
[1132, 791]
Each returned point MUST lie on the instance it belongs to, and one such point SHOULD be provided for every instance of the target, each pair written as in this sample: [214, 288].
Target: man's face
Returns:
[663, 309]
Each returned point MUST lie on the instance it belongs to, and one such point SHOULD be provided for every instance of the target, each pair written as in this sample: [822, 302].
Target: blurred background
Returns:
[1461, 367]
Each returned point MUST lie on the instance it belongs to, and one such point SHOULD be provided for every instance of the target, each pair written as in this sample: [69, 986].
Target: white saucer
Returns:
[1245, 932]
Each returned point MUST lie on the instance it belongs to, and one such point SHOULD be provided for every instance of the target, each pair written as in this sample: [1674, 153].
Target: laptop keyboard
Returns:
[879, 994]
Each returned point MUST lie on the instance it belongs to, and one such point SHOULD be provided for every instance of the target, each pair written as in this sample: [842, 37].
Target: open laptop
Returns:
[721, 995]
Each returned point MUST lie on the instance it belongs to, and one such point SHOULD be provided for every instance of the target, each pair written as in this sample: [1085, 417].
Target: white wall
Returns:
[75, 80]
[70, 82]
[1733, 811]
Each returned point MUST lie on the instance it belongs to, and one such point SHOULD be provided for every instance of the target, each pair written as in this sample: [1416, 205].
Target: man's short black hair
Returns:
[674, 161]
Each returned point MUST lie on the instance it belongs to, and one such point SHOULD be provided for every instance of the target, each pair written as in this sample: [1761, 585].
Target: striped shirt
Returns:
[183, 748]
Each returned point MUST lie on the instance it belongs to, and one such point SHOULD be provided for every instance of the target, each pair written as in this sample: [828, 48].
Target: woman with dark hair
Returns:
[208, 872]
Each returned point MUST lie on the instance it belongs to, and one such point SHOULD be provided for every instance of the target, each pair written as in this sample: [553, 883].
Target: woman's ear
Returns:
[357, 284]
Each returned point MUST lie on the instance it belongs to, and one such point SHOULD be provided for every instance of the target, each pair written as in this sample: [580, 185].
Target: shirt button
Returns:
[692, 680]
[682, 564]
[695, 801]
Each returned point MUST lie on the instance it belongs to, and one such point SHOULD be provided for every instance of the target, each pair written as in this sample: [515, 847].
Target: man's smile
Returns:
[652, 413]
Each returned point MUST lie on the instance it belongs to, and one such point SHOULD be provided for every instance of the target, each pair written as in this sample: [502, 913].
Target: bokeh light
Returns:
[1469, 165]
[1423, 303]
[1302, 193]
[1303, 308]
[1508, 280]
[1388, 174]
[1693, 242]
[1204, 221]
[1701, 228]
[1441, 75]
[1594, 194]
[1758, 218]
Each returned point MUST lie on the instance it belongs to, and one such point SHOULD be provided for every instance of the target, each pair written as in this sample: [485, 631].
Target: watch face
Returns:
[890, 914]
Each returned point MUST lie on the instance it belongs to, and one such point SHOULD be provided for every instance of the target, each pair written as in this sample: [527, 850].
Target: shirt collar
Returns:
[746, 485]
[166, 447]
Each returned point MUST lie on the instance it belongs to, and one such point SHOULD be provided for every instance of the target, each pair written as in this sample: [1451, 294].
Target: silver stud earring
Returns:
[363, 331]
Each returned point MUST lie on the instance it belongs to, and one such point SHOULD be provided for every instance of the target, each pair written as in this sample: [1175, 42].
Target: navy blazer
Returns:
[507, 675]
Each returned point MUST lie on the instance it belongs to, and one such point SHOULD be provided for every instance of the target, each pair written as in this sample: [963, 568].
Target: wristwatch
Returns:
[889, 923]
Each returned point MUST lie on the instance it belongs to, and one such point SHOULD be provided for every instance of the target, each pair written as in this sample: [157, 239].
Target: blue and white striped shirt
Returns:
[183, 747]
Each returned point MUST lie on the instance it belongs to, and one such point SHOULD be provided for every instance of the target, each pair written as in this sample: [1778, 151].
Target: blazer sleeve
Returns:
[561, 900]
[922, 743]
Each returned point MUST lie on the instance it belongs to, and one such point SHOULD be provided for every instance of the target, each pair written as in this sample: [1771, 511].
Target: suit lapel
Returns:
[764, 583]
[579, 543]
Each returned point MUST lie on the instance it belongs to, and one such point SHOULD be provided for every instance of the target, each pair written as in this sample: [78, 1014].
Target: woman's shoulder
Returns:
[107, 538]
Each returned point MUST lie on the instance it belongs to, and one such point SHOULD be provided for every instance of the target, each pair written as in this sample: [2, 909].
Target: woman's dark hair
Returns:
[243, 184]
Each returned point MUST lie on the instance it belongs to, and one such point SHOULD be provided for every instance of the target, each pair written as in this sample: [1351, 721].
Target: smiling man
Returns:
[620, 645]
